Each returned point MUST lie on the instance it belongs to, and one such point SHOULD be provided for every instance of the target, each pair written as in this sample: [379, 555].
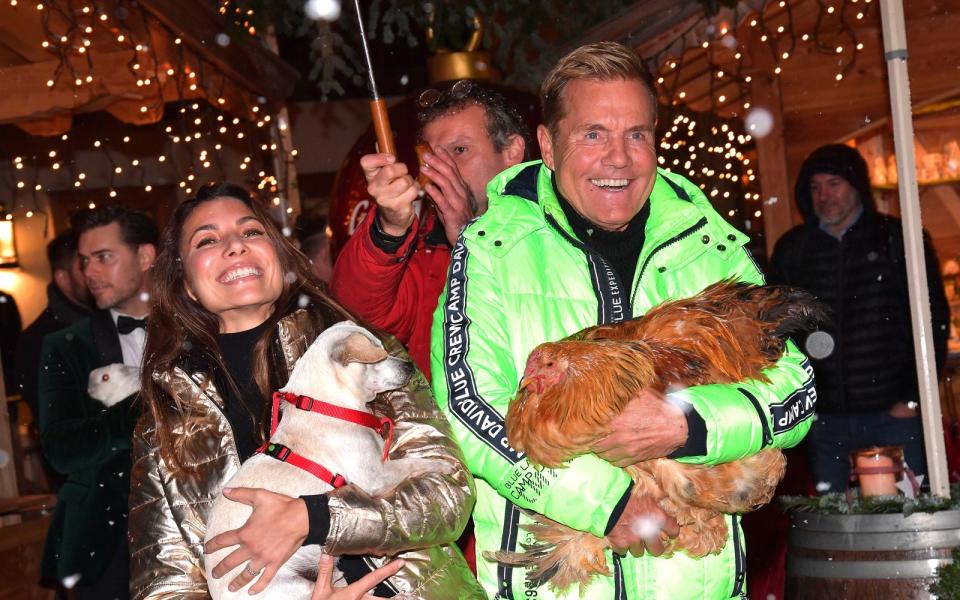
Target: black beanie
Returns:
[833, 159]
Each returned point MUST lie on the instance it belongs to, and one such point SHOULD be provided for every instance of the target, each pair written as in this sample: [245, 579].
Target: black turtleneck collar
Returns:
[245, 404]
[619, 248]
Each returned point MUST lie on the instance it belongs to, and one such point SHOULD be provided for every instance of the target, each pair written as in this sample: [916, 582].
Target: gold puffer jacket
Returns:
[168, 511]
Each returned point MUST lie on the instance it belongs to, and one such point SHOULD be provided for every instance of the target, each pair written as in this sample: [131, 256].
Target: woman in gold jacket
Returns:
[235, 307]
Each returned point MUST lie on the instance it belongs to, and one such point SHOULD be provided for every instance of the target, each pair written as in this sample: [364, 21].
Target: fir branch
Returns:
[947, 585]
[524, 38]
[837, 504]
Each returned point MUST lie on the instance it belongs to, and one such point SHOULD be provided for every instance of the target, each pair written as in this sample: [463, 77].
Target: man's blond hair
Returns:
[601, 61]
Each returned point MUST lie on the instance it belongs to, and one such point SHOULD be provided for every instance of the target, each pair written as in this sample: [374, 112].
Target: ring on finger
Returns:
[250, 571]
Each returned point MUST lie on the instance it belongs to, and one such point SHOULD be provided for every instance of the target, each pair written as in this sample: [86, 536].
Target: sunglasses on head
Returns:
[431, 96]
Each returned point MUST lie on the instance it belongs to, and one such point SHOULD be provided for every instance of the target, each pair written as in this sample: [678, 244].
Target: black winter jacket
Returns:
[862, 280]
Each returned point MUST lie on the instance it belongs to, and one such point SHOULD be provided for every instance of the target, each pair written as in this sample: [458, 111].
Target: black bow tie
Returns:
[127, 324]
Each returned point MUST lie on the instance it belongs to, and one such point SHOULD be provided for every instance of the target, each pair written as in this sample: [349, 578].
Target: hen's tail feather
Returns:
[561, 556]
[791, 310]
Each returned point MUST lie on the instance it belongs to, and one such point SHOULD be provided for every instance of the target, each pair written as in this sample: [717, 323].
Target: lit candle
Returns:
[876, 484]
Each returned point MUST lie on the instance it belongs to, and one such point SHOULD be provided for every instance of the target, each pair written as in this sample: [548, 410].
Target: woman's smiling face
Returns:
[230, 265]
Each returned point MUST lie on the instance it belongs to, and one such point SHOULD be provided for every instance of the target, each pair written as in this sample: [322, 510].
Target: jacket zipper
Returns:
[231, 438]
[594, 259]
[739, 560]
[767, 436]
[838, 339]
[680, 236]
[619, 586]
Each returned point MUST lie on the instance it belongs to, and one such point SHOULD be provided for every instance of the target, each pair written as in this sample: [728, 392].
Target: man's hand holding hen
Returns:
[649, 427]
[642, 527]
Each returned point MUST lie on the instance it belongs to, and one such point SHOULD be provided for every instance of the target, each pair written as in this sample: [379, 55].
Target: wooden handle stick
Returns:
[378, 108]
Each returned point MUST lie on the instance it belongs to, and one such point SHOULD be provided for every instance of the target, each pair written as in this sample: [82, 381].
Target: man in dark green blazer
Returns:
[86, 547]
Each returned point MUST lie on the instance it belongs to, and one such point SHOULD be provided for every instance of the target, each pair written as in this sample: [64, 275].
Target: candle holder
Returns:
[879, 469]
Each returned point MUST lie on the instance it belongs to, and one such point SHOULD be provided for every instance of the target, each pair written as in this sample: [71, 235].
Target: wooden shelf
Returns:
[893, 186]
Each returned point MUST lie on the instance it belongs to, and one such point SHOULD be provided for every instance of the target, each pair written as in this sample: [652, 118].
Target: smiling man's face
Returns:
[603, 151]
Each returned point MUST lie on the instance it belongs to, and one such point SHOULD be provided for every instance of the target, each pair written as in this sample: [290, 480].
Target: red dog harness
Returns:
[382, 425]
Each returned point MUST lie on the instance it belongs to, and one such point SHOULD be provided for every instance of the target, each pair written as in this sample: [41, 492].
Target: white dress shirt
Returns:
[131, 344]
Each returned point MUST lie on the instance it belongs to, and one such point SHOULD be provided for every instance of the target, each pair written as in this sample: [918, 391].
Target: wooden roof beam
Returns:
[244, 61]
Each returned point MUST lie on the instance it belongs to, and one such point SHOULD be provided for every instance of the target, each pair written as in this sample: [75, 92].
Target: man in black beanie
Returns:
[852, 258]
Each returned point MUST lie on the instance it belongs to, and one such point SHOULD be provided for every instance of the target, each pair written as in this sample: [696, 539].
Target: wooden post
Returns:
[284, 164]
[895, 53]
[775, 188]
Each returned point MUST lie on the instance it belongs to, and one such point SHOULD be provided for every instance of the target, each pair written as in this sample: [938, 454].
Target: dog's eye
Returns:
[106, 377]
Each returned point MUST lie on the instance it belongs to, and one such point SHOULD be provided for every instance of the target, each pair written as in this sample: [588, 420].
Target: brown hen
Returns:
[572, 389]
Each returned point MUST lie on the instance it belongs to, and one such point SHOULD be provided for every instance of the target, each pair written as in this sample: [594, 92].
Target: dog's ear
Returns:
[358, 348]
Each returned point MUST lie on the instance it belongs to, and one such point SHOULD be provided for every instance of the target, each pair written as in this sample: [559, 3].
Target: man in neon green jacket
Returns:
[597, 234]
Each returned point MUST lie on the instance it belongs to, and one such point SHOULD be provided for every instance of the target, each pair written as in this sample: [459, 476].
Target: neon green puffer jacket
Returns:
[519, 277]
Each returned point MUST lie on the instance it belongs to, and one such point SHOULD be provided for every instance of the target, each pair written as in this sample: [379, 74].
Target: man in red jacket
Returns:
[392, 270]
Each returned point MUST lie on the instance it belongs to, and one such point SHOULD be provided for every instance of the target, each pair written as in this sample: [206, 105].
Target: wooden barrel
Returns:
[868, 557]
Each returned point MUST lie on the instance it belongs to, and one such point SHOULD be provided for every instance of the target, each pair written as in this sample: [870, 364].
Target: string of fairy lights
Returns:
[193, 127]
[712, 64]
[714, 151]
[714, 39]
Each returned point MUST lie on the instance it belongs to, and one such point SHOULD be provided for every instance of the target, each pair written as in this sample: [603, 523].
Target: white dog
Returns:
[345, 366]
[113, 383]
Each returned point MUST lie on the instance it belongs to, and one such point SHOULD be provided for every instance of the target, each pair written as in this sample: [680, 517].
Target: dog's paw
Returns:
[113, 383]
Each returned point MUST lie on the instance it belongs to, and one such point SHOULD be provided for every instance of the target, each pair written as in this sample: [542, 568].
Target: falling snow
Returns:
[759, 122]
[4, 459]
[223, 40]
[820, 345]
[678, 398]
[648, 528]
[290, 278]
[144, 297]
[323, 10]
[70, 580]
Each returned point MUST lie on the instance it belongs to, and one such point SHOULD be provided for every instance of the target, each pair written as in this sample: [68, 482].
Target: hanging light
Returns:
[8, 245]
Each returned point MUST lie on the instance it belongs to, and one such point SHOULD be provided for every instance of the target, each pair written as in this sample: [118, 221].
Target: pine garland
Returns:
[837, 504]
[524, 38]
[947, 586]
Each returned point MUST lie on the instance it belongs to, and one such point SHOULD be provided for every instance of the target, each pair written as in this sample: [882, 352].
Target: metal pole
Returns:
[378, 108]
[895, 48]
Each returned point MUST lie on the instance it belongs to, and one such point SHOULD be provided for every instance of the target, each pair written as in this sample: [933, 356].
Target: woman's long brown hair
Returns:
[180, 327]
